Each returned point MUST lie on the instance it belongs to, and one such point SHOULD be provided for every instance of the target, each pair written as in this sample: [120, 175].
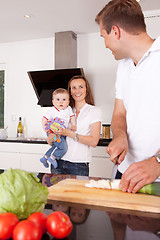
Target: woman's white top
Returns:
[78, 152]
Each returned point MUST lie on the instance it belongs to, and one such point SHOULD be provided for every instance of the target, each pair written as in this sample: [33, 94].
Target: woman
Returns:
[76, 160]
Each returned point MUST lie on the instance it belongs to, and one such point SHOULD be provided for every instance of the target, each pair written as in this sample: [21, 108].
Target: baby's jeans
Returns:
[58, 149]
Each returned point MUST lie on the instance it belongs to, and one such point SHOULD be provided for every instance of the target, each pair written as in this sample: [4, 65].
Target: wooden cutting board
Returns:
[74, 192]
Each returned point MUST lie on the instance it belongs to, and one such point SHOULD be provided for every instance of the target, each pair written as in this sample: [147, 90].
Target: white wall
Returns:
[100, 69]
[20, 57]
[20, 99]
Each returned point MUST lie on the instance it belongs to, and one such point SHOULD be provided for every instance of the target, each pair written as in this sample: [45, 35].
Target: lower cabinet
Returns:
[101, 165]
[8, 160]
[25, 156]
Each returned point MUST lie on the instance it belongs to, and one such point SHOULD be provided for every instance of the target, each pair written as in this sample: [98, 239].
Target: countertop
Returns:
[101, 225]
[102, 141]
[107, 224]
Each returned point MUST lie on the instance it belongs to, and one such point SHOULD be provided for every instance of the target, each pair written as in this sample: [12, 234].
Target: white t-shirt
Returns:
[64, 115]
[139, 88]
[78, 152]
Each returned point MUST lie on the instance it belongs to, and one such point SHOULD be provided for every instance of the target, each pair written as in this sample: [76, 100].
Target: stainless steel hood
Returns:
[45, 82]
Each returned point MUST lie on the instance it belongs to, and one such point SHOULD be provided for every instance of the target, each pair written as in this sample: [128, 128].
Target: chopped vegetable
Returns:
[21, 193]
[152, 189]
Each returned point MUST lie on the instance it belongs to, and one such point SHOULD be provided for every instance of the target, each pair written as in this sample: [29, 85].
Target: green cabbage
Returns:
[21, 193]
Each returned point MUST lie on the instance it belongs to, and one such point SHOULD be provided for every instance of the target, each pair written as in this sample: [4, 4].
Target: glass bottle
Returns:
[20, 129]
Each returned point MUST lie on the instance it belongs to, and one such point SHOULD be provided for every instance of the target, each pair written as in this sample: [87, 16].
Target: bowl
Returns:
[3, 134]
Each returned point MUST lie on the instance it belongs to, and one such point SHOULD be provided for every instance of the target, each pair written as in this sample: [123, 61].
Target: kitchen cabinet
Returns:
[25, 156]
[100, 166]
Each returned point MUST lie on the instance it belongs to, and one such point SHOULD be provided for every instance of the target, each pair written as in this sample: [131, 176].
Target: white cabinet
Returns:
[25, 156]
[9, 159]
[101, 165]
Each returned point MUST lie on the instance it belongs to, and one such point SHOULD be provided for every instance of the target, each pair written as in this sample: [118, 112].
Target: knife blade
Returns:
[115, 167]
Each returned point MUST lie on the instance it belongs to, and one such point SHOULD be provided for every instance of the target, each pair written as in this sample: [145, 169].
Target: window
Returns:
[2, 98]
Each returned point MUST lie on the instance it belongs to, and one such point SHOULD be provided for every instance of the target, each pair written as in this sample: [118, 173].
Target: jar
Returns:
[106, 131]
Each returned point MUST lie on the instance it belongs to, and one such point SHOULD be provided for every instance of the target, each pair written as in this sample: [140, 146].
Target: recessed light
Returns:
[26, 16]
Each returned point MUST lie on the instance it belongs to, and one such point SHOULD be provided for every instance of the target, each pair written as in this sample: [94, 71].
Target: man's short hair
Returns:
[126, 14]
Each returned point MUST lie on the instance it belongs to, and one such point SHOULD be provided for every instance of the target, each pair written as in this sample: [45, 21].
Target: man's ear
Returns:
[116, 31]
[52, 101]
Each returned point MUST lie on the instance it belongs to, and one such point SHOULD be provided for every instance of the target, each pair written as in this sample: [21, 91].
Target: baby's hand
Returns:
[73, 128]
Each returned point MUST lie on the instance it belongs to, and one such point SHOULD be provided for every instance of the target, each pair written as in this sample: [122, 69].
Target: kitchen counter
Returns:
[106, 224]
[102, 141]
[101, 225]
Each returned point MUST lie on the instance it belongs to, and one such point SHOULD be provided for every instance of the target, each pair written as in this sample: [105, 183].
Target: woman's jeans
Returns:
[66, 167]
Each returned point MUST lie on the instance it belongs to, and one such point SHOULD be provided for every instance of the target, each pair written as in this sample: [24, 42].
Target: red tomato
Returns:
[40, 219]
[27, 230]
[8, 221]
[59, 225]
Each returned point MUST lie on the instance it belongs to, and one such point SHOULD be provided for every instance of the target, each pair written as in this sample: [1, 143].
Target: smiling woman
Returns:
[88, 119]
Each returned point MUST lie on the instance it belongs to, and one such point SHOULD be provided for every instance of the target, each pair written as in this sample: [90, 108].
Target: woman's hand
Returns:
[63, 131]
[50, 139]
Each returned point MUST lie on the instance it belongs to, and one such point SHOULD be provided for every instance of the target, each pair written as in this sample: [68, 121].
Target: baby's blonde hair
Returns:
[60, 90]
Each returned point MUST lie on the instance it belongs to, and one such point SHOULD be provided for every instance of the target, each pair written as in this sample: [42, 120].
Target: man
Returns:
[136, 117]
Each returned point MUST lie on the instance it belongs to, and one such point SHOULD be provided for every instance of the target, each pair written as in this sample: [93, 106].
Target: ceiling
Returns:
[50, 16]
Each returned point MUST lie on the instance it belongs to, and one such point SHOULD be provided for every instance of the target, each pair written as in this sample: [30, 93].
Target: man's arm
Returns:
[119, 145]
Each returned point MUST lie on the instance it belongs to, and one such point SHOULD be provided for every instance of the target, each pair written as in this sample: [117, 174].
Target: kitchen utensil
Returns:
[115, 167]
[73, 191]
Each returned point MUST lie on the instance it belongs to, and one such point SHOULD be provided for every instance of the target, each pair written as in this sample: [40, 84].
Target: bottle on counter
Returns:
[20, 129]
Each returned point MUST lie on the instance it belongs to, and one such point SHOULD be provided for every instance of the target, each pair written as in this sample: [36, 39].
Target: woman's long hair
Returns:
[89, 96]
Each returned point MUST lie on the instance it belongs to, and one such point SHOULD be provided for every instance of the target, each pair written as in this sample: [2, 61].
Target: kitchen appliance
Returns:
[45, 82]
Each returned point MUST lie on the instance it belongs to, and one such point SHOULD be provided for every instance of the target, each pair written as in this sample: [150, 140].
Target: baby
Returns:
[62, 111]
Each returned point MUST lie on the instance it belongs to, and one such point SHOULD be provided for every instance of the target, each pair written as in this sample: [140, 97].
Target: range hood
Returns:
[46, 81]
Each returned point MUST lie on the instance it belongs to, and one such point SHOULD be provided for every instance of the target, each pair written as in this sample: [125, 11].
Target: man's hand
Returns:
[118, 148]
[139, 174]
[119, 145]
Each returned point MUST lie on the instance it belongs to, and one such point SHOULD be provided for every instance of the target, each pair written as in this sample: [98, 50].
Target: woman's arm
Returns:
[91, 140]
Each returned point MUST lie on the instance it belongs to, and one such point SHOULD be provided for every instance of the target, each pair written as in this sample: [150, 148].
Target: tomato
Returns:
[27, 230]
[8, 221]
[59, 224]
[40, 219]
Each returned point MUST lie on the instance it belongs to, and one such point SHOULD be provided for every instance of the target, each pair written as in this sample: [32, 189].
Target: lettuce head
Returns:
[21, 193]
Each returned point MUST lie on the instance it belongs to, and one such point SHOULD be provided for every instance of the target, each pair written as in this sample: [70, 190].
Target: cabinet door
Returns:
[100, 167]
[31, 163]
[9, 160]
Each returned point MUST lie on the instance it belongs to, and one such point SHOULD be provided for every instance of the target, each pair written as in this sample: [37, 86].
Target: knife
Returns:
[115, 167]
